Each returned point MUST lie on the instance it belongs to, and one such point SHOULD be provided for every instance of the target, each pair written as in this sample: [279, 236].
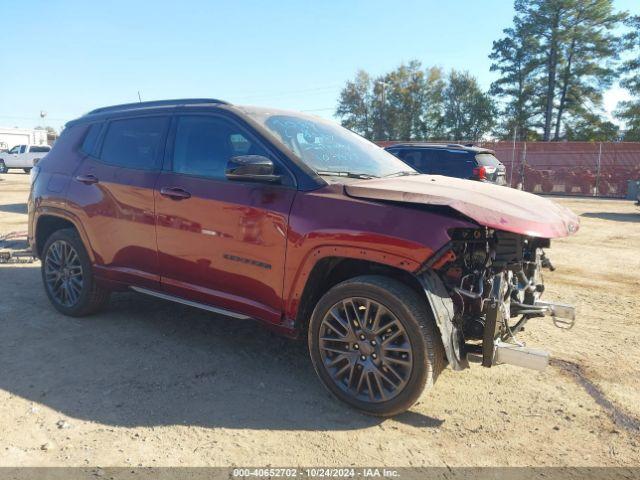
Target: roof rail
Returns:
[157, 103]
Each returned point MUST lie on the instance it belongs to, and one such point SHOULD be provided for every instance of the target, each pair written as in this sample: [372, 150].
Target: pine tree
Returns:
[514, 58]
[589, 50]
[629, 111]
[564, 52]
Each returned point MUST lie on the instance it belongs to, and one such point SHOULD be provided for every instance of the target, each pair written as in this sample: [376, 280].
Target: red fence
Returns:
[579, 168]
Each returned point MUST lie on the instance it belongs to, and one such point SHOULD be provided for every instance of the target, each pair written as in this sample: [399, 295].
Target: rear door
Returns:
[114, 193]
[452, 163]
[221, 242]
[24, 159]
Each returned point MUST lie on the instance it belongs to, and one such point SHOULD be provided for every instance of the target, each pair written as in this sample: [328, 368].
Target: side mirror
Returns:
[251, 168]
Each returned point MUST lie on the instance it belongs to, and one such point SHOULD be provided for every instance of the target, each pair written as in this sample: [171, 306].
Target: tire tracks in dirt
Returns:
[617, 415]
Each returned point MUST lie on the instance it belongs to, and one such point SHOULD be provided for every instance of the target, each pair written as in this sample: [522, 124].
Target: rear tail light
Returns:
[480, 173]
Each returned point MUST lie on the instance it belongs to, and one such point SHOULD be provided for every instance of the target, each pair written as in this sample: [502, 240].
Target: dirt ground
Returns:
[150, 383]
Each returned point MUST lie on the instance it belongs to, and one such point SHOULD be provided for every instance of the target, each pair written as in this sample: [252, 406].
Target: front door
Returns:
[220, 242]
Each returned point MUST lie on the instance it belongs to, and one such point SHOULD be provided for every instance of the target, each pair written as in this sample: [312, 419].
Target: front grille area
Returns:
[508, 249]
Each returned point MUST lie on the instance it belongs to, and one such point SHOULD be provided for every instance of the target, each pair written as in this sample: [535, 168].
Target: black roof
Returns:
[443, 146]
[164, 105]
[157, 103]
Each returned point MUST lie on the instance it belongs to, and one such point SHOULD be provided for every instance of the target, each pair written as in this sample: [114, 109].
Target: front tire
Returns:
[3, 167]
[67, 275]
[374, 344]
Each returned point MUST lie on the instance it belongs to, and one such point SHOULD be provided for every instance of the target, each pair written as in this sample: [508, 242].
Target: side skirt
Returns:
[202, 306]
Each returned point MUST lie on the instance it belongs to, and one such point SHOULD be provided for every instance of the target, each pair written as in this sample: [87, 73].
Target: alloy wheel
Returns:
[63, 273]
[365, 349]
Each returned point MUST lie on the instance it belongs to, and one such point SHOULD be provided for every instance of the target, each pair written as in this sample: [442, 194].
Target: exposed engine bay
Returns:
[495, 282]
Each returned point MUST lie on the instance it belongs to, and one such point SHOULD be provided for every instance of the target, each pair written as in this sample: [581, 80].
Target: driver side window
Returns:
[15, 149]
[204, 144]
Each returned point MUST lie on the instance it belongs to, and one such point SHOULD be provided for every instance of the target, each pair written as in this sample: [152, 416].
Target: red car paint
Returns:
[251, 247]
[488, 204]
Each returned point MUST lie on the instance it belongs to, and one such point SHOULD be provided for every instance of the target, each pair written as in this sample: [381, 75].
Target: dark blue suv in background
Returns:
[452, 160]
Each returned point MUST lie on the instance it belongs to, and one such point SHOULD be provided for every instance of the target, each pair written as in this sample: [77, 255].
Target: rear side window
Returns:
[204, 145]
[91, 139]
[39, 149]
[452, 163]
[134, 142]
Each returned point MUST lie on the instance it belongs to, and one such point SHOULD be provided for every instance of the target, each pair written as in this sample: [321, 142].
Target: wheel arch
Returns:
[329, 270]
[51, 220]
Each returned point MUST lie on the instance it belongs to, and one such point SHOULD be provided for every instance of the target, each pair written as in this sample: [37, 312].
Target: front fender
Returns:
[295, 288]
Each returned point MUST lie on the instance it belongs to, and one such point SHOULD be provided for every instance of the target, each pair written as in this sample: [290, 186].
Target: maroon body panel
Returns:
[225, 245]
[490, 205]
[118, 215]
[328, 223]
[48, 193]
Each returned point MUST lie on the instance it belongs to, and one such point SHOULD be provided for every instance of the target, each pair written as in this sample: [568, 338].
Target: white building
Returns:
[9, 137]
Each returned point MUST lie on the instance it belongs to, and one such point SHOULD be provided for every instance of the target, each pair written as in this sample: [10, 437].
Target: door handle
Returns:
[174, 193]
[87, 179]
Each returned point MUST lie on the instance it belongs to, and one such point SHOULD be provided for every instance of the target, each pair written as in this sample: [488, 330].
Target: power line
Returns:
[318, 109]
[13, 117]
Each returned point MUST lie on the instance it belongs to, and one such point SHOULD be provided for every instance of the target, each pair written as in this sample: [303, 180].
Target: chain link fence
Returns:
[603, 169]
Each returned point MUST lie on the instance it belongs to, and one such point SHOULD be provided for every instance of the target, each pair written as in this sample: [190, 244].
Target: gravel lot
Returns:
[155, 384]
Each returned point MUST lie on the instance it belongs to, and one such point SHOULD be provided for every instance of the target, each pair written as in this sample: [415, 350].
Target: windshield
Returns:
[328, 148]
[487, 160]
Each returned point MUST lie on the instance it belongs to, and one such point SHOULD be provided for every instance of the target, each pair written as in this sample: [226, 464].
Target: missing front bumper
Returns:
[495, 350]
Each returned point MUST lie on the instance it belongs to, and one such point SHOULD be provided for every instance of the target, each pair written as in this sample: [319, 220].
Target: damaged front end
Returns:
[483, 287]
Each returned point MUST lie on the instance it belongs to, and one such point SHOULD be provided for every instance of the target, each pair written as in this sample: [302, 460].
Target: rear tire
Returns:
[27, 170]
[396, 364]
[67, 275]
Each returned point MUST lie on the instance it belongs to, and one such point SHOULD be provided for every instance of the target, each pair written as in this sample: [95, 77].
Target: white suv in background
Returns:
[22, 156]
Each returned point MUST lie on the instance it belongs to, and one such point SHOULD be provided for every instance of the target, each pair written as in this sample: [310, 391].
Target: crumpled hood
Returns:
[490, 205]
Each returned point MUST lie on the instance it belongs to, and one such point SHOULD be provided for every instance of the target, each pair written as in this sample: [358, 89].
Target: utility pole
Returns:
[43, 114]
[383, 100]
[513, 155]
[598, 167]
[523, 166]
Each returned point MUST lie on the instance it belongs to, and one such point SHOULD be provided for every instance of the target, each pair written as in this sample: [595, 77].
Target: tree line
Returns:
[553, 64]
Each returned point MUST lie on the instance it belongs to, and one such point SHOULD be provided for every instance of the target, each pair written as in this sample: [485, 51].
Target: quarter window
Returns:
[90, 140]
[134, 143]
[204, 145]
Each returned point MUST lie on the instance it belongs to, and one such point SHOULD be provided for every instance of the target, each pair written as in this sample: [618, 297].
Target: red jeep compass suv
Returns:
[303, 225]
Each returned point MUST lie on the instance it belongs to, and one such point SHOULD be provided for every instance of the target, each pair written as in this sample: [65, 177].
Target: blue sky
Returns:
[67, 57]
